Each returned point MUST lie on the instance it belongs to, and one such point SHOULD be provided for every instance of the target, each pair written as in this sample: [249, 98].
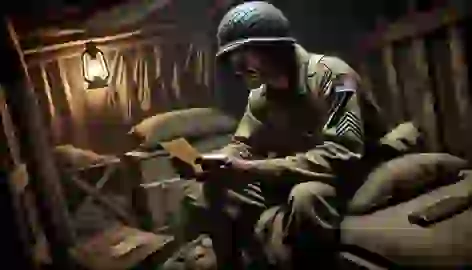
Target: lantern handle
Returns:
[91, 49]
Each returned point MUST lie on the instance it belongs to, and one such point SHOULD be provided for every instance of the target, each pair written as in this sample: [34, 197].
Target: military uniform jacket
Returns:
[306, 138]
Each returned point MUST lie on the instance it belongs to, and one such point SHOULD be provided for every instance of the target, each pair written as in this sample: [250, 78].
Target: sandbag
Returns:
[403, 178]
[187, 123]
[212, 143]
[388, 234]
[404, 138]
[68, 156]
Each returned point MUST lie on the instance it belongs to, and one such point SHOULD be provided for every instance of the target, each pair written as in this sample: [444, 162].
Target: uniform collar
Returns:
[303, 63]
[306, 62]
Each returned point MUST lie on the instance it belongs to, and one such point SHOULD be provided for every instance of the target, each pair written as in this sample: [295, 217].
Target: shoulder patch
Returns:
[345, 83]
[342, 89]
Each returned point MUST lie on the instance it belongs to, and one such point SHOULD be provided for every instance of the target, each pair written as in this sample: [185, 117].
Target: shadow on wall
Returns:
[328, 27]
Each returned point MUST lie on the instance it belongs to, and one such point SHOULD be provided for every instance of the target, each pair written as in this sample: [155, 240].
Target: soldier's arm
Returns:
[242, 145]
[343, 136]
[344, 125]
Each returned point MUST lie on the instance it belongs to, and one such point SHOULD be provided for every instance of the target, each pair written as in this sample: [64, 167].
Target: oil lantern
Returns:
[94, 67]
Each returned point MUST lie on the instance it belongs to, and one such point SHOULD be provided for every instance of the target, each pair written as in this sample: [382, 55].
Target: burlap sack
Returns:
[404, 138]
[404, 178]
[70, 157]
[388, 234]
[187, 123]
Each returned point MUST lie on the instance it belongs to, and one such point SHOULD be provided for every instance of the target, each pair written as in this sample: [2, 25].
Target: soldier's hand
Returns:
[216, 166]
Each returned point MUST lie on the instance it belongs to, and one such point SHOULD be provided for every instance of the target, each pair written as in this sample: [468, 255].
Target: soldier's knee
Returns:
[264, 223]
[304, 196]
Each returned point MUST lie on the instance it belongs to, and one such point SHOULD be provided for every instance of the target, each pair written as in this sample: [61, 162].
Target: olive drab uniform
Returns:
[300, 148]
[326, 123]
[303, 149]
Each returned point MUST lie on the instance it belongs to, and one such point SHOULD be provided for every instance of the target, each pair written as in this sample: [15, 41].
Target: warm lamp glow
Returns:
[94, 67]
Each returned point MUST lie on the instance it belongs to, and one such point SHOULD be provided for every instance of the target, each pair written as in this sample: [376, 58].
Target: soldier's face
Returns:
[256, 69]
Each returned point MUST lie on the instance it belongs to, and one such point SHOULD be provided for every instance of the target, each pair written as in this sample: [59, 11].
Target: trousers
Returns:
[273, 228]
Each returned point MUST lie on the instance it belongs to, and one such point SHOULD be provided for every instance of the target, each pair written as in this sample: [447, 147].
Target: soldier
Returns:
[305, 128]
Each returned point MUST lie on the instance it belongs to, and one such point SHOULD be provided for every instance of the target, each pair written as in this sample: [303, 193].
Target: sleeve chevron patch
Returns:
[350, 122]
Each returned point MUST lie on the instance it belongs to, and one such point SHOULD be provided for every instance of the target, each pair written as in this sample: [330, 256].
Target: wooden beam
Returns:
[84, 37]
[35, 148]
[414, 24]
[108, 45]
[46, 38]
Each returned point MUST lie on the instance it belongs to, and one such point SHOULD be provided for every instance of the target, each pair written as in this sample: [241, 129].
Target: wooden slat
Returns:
[427, 118]
[449, 133]
[110, 45]
[406, 77]
[74, 43]
[414, 25]
[42, 42]
[461, 87]
[392, 80]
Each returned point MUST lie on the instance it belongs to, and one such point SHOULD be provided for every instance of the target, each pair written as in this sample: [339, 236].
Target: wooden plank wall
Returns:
[417, 68]
[153, 69]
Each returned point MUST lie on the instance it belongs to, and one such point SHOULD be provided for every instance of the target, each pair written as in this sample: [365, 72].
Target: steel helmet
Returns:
[252, 22]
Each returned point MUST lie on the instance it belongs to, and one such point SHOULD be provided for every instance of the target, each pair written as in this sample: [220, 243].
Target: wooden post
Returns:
[15, 229]
[35, 148]
[16, 251]
[139, 196]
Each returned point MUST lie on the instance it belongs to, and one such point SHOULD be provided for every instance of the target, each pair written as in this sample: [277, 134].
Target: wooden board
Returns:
[119, 248]
[182, 149]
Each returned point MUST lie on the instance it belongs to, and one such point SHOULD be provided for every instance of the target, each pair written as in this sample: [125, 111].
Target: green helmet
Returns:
[252, 22]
